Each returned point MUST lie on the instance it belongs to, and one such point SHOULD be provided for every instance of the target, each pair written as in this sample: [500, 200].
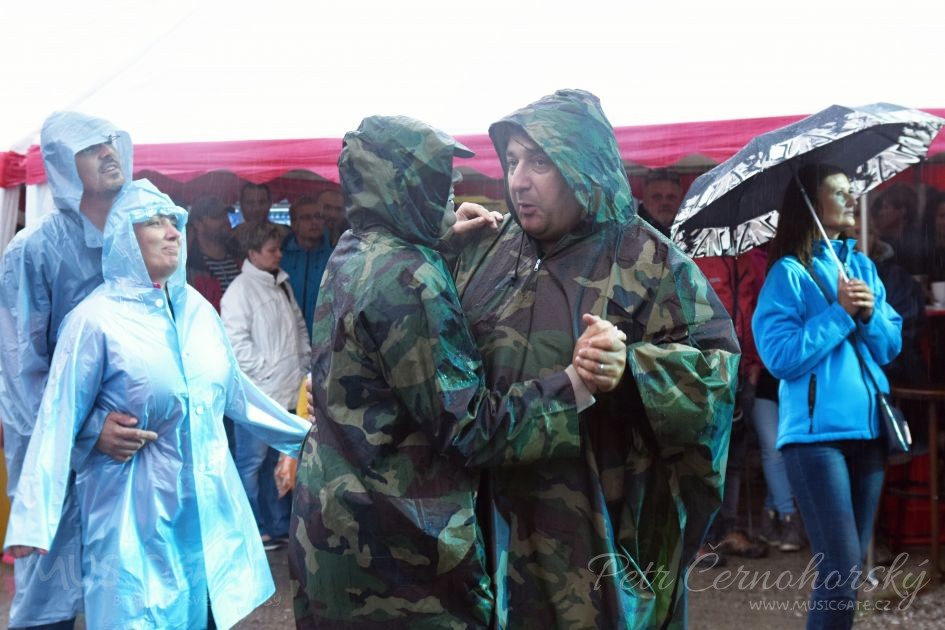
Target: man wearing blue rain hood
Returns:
[170, 530]
[44, 274]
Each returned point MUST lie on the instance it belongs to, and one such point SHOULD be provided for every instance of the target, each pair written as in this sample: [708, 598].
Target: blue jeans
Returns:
[256, 463]
[837, 485]
[779, 497]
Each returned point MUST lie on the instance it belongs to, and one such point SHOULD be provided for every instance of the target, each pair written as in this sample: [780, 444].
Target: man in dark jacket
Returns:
[662, 194]
[305, 253]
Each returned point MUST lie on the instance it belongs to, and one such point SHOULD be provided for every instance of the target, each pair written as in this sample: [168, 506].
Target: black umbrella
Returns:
[734, 207]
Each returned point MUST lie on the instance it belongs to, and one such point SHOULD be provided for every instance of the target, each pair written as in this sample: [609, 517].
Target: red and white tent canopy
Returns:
[296, 167]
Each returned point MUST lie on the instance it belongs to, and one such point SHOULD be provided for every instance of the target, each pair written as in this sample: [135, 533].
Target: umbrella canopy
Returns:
[734, 207]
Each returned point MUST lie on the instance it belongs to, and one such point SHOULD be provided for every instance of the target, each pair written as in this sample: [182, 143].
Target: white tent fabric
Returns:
[183, 70]
[39, 202]
[9, 202]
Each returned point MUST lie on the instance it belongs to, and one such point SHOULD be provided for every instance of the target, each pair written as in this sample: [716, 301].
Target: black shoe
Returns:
[269, 543]
[792, 538]
[769, 530]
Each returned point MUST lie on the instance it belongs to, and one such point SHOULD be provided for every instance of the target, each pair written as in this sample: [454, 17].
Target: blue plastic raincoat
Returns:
[173, 524]
[45, 272]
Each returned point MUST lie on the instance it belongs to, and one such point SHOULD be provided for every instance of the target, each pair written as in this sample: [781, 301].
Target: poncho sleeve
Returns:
[76, 374]
[261, 415]
[428, 357]
[685, 363]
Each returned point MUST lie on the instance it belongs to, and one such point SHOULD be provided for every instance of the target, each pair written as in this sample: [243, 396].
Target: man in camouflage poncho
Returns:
[383, 530]
[600, 540]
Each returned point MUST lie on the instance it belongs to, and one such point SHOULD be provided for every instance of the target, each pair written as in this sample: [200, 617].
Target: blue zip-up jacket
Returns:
[305, 268]
[804, 340]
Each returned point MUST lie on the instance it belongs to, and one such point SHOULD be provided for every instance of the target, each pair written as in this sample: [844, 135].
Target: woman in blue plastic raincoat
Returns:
[171, 527]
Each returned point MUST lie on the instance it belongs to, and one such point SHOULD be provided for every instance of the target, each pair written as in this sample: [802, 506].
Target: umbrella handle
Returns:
[820, 228]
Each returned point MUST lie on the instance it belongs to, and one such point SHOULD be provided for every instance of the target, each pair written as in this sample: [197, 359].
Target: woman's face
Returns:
[268, 257]
[159, 242]
[836, 204]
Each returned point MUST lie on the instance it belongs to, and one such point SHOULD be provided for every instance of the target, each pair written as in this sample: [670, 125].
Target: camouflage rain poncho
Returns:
[568, 536]
[383, 530]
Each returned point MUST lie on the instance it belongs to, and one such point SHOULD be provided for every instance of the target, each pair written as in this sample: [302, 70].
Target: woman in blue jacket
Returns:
[806, 324]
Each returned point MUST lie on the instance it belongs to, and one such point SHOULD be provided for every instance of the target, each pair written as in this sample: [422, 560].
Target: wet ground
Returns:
[772, 593]
[764, 594]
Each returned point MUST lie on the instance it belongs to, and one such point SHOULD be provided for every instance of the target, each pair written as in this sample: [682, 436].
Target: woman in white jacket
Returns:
[267, 331]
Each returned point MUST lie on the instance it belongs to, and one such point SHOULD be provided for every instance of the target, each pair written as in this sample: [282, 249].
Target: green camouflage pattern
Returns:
[601, 540]
[383, 530]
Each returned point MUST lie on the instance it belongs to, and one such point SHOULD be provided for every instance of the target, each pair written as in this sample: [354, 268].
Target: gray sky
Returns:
[179, 71]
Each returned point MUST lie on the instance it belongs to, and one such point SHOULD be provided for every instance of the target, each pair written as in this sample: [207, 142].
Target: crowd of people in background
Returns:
[457, 405]
[907, 247]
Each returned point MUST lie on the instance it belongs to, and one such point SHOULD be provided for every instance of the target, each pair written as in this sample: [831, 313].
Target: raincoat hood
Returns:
[122, 262]
[66, 133]
[396, 173]
[571, 128]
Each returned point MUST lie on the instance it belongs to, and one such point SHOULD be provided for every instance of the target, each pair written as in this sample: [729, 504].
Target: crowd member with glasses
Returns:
[305, 252]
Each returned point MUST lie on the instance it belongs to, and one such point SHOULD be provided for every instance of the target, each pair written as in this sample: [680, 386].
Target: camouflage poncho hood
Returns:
[411, 166]
[572, 130]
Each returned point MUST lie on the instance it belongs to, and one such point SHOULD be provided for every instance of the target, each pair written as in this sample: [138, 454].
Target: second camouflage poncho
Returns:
[602, 539]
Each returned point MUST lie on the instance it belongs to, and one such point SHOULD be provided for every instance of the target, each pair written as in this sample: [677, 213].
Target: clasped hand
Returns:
[856, 298]
[600, 354]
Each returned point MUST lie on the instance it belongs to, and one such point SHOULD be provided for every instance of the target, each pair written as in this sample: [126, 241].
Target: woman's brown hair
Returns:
[796, 228]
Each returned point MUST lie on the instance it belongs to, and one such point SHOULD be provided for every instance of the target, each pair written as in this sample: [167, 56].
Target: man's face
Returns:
[332, 207]
[546, 207]
[214, 226]
[99, 169]
[662, 199]
[308, 225]
[255, 205]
